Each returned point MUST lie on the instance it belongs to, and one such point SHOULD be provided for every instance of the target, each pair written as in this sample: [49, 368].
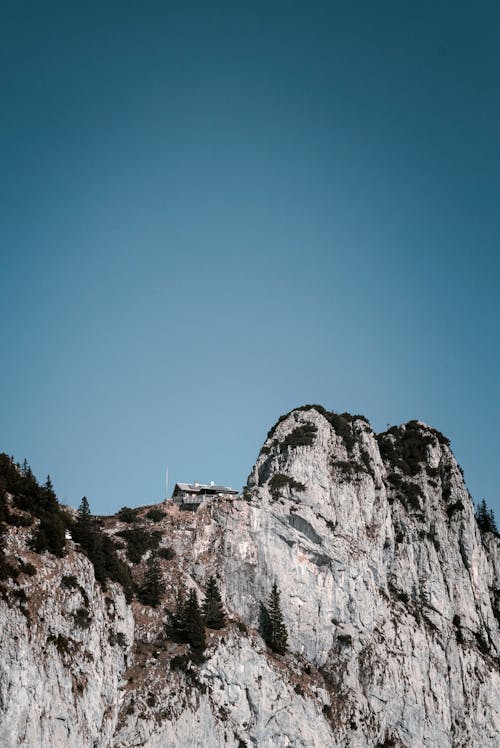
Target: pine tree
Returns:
[276, 635]
[150, 591]
[194, 625]
[492, 523]
[47, 499]
[213, 610]
[83, 531]
[175, 627]
[84, 512]
[485, 518]
[50, 535]
[30, 486]
[49, 488]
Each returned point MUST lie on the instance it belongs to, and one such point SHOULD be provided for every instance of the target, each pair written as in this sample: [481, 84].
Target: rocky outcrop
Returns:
[389, 593]
[62, 653]
[388, 585]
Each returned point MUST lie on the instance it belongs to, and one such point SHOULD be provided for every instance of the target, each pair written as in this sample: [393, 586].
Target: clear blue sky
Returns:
[214, 212]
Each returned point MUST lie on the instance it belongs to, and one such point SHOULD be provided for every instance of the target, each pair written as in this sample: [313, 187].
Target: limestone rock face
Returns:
[60, 660]
[386, 583]
[390, 595]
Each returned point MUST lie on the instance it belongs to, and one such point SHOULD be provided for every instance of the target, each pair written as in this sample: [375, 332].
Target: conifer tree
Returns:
[47, 499]
[175, 627]
[150, 591]
[83, 531]
[177, 616]
[213, 610]
[30, 485]
[485, 518]
[276, 634]
[50, 535]
[49, 488]
[84, 512]
[194, 625]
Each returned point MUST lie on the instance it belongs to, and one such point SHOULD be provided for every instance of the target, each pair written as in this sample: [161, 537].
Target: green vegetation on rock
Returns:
[302, 436]
[152, 587]
[280, 481]
[139, 541]
[100, 550]
[405, 447]
[37, 501]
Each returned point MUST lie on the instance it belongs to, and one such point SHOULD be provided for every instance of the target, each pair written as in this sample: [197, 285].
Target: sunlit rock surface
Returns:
[389, 593]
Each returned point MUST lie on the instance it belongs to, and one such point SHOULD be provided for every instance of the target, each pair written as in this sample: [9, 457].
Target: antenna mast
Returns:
[166, 484]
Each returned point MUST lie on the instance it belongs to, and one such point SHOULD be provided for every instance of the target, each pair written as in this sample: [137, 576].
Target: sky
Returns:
[212, 213]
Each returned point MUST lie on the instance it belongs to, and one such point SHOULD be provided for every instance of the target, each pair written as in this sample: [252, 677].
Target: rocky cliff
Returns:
[389, 592]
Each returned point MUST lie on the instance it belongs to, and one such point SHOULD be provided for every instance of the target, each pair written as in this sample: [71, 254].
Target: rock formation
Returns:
[389, 592]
